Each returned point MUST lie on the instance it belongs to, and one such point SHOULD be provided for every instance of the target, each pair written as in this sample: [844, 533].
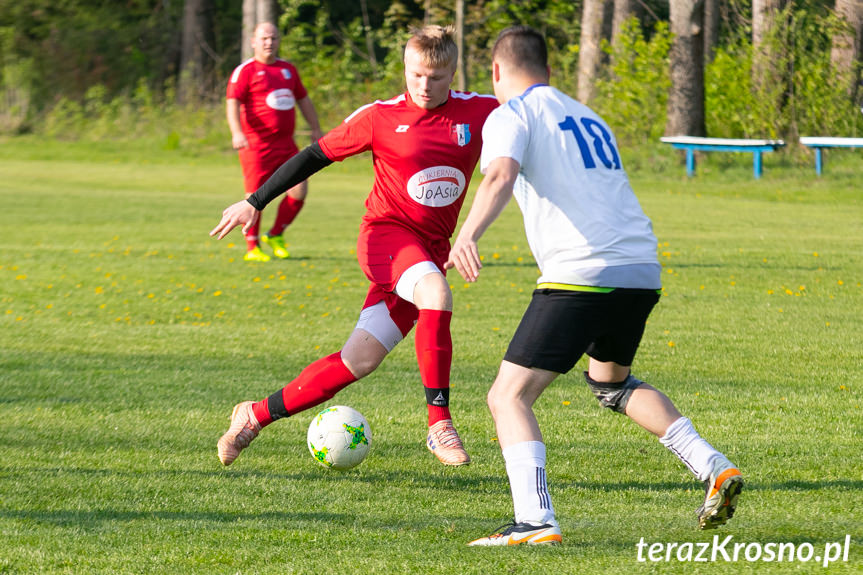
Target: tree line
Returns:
[725, 68]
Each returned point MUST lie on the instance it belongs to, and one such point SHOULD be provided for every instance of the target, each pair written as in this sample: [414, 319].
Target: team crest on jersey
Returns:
[437, 187]
[286, 73]
[460, 134]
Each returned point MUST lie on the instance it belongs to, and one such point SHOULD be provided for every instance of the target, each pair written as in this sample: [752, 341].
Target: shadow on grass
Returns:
[436, 477]
[444, 478]
[90, 518]
[793, 485]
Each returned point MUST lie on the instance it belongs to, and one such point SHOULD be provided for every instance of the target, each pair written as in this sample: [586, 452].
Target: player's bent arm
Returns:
[302, 165]
[491, 198]
[232, 111]
[307, 108]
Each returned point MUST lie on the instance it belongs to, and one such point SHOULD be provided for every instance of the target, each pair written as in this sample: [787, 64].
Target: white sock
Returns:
[525, 466]
[698, 455]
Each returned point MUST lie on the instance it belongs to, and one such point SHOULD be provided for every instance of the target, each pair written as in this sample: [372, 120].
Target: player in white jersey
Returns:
[600, 279]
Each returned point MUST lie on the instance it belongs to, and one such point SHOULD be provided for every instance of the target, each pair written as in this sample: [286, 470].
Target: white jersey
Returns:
[583, 222]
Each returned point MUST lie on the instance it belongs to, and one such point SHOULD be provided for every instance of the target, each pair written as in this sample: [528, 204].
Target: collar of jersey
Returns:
[434, 110]
[528, 91]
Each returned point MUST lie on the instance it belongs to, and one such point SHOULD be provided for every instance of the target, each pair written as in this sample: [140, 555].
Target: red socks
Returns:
[288, 210]
[434, 355]
[320, 381]
[252, 235]
[325, 377]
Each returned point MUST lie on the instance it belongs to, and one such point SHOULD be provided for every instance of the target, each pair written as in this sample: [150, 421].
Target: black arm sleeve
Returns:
[302, 165]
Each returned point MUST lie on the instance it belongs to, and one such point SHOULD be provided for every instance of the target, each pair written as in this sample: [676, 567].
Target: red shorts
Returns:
[385, 251]
[259, 165]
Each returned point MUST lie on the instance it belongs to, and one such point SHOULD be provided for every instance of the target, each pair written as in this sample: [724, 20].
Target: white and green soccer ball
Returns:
[339, 437]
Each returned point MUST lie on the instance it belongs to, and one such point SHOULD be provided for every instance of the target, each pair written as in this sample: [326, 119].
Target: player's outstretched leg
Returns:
[244, 428]
[722, 489]
[524, 533]
[318, 382]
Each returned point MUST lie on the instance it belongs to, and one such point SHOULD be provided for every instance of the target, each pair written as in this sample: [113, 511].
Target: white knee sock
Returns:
[698, 455]
[525, 466]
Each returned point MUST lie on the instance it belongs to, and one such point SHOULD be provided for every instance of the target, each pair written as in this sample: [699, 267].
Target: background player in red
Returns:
[425, 145]
[262, 95]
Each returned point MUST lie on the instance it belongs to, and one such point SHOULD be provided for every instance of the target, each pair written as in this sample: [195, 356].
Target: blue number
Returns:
[569, 124]
[601, 138]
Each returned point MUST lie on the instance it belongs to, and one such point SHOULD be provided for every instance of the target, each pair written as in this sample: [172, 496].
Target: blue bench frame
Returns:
[818, 143]
[692, 143]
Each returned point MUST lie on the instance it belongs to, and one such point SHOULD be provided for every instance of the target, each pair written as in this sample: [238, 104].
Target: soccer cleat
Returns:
[256, 255]
[444, 442]
[277, 243]
[244, 428]
[522, 533]
[722, 490]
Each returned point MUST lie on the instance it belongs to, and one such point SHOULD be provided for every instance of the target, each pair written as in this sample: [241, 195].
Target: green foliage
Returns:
[799, 91]
[633, 98]
[142, 115]
[78, 69]
[730, 105]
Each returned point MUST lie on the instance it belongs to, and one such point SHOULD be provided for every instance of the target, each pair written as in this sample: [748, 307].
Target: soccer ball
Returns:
[339, 437]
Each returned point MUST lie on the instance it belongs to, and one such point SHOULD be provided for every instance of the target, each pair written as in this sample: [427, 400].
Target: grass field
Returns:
[127, 334]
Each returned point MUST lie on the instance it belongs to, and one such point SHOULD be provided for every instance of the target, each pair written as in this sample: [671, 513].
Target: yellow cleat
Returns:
[277, 243]
[256, 255]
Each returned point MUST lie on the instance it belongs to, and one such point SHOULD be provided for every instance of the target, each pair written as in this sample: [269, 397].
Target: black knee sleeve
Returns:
[613, 395]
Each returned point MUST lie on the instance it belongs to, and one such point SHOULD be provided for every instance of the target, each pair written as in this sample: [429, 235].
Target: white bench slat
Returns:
[830, 142]
[741, 142]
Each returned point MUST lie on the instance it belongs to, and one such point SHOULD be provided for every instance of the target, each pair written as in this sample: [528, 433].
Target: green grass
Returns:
[127, 334]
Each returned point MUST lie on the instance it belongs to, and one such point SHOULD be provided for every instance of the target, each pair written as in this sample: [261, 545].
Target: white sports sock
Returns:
[525, 466]
[698, 455]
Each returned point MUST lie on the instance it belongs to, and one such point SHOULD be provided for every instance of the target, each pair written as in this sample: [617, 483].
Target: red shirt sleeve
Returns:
[238, 84]
[351, 137]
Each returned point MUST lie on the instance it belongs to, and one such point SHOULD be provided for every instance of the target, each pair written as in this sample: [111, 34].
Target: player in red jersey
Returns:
[425, 144]
[261, 99]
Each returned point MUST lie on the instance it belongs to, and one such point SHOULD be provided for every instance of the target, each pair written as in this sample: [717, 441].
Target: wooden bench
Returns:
[819, 143]
[692, 143]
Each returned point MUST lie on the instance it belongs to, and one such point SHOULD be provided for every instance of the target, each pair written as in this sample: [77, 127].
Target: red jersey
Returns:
[268, 94]
[423, 159]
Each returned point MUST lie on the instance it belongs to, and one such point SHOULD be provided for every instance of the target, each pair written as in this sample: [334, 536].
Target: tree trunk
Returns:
[589, 53]
[846, 56]
[250, 20]
[370, 42]
[197, 57]
[711, 29]
[623, 11]
[461, 65]
[764, 72]
[686, 99]
[267, 11]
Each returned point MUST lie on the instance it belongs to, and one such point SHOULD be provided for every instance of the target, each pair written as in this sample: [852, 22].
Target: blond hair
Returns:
[436, 45]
